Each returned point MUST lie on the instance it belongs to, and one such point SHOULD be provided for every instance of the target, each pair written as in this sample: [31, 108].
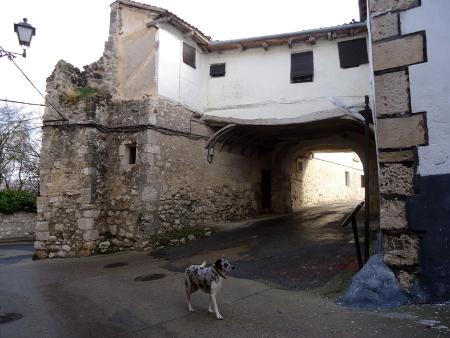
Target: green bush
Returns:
[12, 201]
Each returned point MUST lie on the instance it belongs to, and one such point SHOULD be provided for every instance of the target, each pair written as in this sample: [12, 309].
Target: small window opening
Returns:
[217, 70]
[363, 182]
[132, 152]
[302, 67]
[299, 165]
[188, 55]
[347, 178]
[353, 53]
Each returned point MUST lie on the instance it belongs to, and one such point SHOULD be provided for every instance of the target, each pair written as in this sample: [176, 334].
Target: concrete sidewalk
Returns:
[82, 298]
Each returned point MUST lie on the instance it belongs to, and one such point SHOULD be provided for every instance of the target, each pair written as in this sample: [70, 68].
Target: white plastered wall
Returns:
[430, 82]
[176, 80]
[257, 82]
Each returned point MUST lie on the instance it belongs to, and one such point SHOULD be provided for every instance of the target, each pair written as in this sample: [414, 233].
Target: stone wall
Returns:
[91, 192]
[284, 165]
[322, 179]
[400, 131]
[19, 225]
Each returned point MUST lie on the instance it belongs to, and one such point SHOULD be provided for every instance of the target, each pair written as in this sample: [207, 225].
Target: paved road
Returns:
[83, 298]
[11, 253]
[301, 251]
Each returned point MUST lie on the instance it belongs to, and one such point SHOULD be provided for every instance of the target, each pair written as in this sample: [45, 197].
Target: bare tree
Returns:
[19, 149]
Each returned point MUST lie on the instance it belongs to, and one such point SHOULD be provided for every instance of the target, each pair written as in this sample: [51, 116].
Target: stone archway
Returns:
[284, 157]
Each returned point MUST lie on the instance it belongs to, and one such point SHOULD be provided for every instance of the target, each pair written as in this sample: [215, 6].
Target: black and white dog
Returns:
[207, 279]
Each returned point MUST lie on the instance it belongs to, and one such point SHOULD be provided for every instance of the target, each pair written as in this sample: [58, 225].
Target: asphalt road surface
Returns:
[281, 288]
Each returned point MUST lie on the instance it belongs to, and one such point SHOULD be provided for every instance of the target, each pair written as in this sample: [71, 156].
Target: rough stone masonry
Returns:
[123, 169]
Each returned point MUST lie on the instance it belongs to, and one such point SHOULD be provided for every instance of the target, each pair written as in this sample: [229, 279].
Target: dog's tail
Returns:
[203, 264]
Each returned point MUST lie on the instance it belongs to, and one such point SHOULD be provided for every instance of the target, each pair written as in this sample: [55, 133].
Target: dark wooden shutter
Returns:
[188, 55]
[353, 53]
[217, 70]
[302, 67]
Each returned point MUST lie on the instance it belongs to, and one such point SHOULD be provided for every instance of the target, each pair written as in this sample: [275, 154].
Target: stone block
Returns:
[402, 132]
[90, 245]
[396, 156]
[153, 149]
[41, 254]
[86, 223]
[84, 253]
[396, 179]
[401, 250]
[38, 245]
[399, 52]
[149, 194]
[384, 26]
[393, 215]
[91, 213]
[406, 279]
[392, 93]
[41, 226]
[90, 235]
[42, 235]
[391, 5]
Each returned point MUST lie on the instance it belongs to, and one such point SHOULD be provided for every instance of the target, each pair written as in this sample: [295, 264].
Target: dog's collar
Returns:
[219, 273]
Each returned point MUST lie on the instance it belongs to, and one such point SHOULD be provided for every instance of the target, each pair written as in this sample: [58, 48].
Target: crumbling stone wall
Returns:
[90, 192]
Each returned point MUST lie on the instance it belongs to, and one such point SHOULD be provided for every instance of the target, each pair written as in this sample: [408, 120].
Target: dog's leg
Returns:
[216, 309]
[210, 308]
[187, 283]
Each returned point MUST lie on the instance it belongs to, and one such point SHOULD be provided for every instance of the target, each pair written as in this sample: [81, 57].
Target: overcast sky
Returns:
[76, 30]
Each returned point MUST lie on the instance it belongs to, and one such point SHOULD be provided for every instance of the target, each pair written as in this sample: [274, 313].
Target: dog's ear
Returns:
[218, 264]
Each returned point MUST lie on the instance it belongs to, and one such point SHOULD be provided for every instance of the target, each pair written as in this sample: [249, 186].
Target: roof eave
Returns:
[290, 38]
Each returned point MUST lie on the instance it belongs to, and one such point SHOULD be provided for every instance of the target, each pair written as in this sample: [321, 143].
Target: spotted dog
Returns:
[207, 279]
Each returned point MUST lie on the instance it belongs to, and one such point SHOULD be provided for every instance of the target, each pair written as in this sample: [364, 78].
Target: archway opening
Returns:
[326, 176]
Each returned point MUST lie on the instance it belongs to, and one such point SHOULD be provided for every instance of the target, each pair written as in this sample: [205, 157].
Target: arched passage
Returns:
[284, 161]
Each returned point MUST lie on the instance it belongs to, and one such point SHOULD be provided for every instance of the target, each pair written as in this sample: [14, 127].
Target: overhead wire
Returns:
[34, 86]
[21, 102]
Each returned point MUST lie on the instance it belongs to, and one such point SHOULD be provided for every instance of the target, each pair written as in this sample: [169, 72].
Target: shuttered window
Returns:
[188, 55]
[217, 70]
[353, 53]
[302, 68]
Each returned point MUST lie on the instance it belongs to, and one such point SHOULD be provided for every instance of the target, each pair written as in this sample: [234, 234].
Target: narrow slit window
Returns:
[347, 179]
[299, 165]
[217, 70]
[132, 154]
[188, 55]
[353, 53]
[363, 182]
[302, 67]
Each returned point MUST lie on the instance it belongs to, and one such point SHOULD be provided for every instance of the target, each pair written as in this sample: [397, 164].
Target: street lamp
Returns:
[24, 33]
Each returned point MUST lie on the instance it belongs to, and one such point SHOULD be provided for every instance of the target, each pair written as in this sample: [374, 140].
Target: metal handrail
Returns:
[352, 214]
[352, 217]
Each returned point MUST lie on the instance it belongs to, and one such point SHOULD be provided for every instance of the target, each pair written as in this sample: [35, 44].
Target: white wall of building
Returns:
[430, 82]
[257, 82]
[176, 80]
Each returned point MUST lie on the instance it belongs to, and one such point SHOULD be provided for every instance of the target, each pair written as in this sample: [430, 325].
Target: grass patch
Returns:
[75, 95]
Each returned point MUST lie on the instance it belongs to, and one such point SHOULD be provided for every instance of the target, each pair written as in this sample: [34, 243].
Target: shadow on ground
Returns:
[301, 251]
